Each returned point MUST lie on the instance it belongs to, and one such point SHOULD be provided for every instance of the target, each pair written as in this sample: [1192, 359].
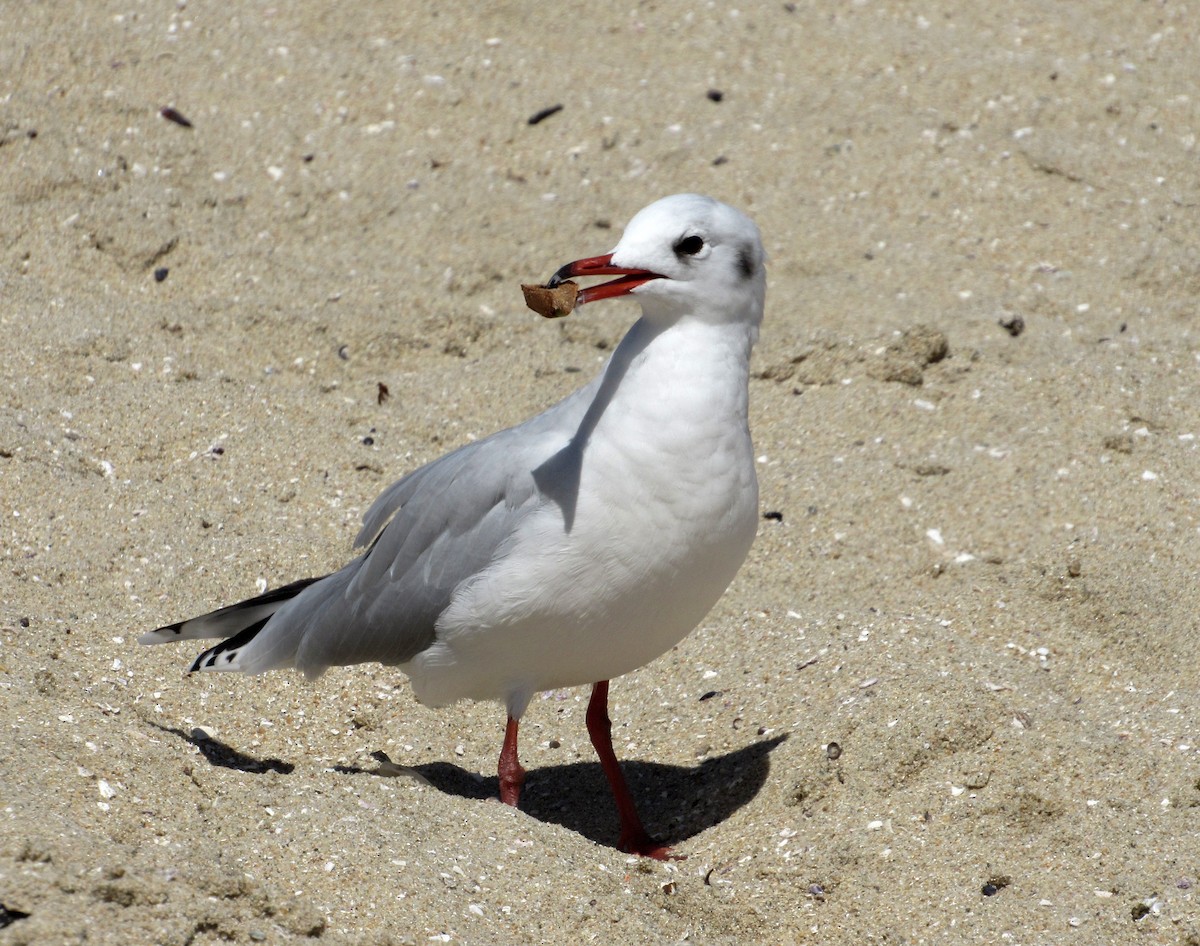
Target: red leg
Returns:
[512, 776]
[634, 839]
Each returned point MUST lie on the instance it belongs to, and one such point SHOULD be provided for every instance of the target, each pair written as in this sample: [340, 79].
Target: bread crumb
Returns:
[551, 303]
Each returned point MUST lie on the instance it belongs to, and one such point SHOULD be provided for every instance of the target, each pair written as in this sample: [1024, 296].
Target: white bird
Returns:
[574, 547]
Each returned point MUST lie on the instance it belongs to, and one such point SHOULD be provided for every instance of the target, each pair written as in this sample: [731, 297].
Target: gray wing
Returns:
[428, 533]
[509, 454]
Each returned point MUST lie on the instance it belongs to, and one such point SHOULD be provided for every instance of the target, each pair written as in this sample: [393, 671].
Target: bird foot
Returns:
[640, 843]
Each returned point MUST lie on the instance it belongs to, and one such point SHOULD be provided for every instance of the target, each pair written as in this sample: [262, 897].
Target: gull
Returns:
[574, 547]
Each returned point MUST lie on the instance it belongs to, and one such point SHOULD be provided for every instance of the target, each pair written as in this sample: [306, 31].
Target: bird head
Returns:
[684, 255]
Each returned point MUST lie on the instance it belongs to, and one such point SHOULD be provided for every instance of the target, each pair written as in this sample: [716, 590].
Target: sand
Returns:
[952, 695]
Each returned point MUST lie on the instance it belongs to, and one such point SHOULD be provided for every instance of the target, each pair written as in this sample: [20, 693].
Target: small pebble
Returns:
[160, 274]
[1014, 325]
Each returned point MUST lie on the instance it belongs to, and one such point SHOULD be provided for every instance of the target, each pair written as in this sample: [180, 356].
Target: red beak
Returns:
[602, 266]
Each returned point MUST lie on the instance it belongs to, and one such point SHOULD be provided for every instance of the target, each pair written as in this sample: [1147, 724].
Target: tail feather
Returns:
[234, 622]
[230, 648]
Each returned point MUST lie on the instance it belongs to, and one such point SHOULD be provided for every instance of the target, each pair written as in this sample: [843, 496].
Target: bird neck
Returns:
[687, 365]
[721, 307]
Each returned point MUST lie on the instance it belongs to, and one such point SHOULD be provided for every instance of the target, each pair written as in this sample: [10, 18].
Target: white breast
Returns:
[642, 530]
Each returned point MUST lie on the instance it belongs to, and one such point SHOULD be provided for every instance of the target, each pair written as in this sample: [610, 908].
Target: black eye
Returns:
[689, 246]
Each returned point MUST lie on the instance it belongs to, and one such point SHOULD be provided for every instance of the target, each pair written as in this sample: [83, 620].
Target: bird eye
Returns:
[689, 246]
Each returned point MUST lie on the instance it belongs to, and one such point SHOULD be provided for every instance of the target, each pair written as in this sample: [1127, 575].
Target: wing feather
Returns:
[425, 535]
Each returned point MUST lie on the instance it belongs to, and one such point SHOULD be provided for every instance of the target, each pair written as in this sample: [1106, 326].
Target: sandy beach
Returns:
[951, 697]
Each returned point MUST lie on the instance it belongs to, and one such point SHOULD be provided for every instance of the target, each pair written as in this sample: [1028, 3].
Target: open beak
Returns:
[629, 279]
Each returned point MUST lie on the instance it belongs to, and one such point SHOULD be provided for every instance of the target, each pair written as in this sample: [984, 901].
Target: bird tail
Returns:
[237, 623]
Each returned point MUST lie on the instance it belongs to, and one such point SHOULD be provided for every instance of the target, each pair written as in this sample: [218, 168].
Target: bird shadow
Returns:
[225, 756]
[676, 802]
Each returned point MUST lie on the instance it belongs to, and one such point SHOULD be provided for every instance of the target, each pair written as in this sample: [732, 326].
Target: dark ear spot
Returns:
[746, 261]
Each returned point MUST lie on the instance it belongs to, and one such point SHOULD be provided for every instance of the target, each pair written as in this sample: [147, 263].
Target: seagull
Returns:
[574, 547]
